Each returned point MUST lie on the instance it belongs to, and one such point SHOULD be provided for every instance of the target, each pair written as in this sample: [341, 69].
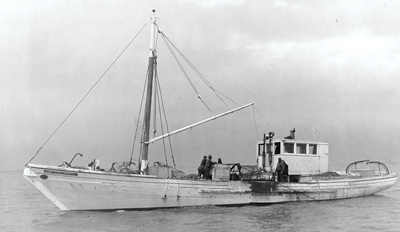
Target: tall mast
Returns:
[147, 113]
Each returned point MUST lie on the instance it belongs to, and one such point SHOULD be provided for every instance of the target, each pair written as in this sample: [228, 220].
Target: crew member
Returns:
[208, 168]
[201, 167]
[280, 168]
[285, 173]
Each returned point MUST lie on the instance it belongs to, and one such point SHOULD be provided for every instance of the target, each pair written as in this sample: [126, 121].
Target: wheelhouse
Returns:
[303, 157]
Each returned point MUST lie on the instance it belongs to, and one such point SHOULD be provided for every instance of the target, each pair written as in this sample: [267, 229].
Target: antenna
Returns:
[314, 129]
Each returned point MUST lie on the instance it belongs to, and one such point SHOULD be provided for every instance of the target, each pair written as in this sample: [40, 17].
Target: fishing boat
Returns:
[127, 186]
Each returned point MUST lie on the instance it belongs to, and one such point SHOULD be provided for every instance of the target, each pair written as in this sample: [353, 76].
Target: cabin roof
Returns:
[294, 141]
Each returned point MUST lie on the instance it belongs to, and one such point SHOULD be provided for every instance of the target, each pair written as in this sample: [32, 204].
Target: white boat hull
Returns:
[75, 189]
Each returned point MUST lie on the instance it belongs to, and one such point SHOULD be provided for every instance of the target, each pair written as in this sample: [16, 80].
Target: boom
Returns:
[198, 123]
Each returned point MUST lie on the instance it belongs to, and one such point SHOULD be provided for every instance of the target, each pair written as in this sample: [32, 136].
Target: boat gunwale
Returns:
[107, 173]
[351, 179]
[79, 170]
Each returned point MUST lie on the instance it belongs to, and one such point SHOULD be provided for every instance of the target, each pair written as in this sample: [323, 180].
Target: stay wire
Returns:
[190, 63]
[216, 90]
[264, 119]
[189, 47]
[143, 125]
[183, 70]
[202, 58]
[138, 121]
[159, 110]
[166, 121]
[180, 65]
[155, 88]
[255, 123]
[242, 87]
[227, 97]
[202, 77]
[90, 90]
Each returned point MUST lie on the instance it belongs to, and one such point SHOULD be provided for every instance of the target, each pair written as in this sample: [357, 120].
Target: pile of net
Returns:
[177, 174]
[190, 177]
[327, 174]
[249, 171]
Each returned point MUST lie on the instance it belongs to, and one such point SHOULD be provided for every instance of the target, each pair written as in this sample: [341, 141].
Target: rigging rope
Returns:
[227, 97]
[155, 91]
[264, 119]
[241, 86]
[137, 123]
[165, 118]
[195, 69]
[143, 126]
[101, 77]
[203, 59]
[190, 64]
[183, 70]
[255, 123]
[155, 102]
[161, 124]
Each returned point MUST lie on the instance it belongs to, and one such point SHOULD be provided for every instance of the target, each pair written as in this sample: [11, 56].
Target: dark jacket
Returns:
[280, 167]
[286, 170]
[202, 164]
[209, 163]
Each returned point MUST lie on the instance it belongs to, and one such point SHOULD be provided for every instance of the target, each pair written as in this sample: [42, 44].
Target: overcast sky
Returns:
[332, 62]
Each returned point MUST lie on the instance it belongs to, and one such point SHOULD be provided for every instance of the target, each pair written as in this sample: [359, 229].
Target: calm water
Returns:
[23, 208]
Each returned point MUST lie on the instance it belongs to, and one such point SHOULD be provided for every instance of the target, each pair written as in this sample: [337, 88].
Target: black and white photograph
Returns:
[199, 115]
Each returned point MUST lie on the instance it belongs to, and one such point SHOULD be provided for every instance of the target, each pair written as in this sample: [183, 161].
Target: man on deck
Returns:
[208, 167]
[201, 167]
[280, 169]
[285, 173]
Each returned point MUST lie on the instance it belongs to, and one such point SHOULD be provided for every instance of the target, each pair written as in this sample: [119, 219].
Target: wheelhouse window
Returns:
[313, 149]
[278, 148]
[261, 148]
[289, 147]
[301, 148]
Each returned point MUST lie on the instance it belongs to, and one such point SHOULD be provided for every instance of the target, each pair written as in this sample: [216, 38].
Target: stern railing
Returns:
[381, 166]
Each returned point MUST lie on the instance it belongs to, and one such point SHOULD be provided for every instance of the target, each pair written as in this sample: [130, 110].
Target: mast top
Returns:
[153, 35]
